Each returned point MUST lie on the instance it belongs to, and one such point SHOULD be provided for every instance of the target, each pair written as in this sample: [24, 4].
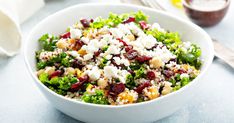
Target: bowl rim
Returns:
[35, 78]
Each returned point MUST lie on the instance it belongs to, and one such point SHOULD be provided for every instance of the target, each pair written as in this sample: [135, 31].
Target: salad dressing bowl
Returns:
[148, 111]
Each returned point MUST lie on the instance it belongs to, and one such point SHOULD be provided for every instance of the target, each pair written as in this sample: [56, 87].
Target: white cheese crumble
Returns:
[110, 71]
[184, 75]
[157, 26]
[88, 56]
[112, 50]
[75, 33]
[94, 74]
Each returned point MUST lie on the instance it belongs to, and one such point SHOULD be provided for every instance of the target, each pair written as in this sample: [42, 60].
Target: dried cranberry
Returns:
[84, 78]
[155, 46]
[116, 55]
[78, 85]
[180, 71]
[91, 20]
[78, 44]
[132, 72]
[143, 58]
[77, 64]
[172, 60]
[140, 88]
[129, 47]
[124, 43]
[168, 73]
[143, 25]
[66, 35]
[130, 19]
[117, 88]
[151, 75]
[97, 53]
[85, 22]
[56, 73]
[131, 54]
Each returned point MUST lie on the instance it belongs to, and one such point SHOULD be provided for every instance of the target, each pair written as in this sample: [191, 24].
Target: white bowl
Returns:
[141, 112]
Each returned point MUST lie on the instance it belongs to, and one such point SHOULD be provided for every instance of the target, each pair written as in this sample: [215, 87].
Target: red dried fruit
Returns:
[66, 35]
[131, 54]
[143, 25]
[129, 47]
[180, 71]
[117, 88]
[97, 53]
[151, 75]
[85, 22]
[77, 64]
[124, 43]
[168, 73]
[130, 19]
[78, 44]
[91, 20]
[140, 88]
[84, 78]
[55, 73]
[132, 72]
[143, 58]
[78, 85]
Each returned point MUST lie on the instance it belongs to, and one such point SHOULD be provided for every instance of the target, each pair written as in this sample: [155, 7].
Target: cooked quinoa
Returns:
[122, 59]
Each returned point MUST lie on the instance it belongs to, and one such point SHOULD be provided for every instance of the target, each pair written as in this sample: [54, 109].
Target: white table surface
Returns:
[21, 100]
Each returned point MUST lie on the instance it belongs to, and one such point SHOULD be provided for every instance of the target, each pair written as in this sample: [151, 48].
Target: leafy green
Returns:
[44, 77]
[58, 84]
[184, 81]
[48, 42]
[190, 56]
[135, 66]
[97, 98]
[98, 23]
[170, 39]
[130, 83]
[105, 48]
[65, 62]
[103, 63]
[41, 65]
[140, 73]
[115, 19]
[140, 16]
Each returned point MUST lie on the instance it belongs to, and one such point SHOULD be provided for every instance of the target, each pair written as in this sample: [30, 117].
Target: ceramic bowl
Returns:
[132, 113]
[205, 18]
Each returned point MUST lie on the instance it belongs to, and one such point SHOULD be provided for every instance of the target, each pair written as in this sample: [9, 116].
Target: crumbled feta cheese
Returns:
[187, 45]
[135, 29]
[122, 75]
[117, 60]
[110, 71]
[116, 32]
[74, 53]
[88, 56]
[112, 50]
[148, 41]
[94, 74]
[75, 33]
[125, 62]
[123, 28]
[157, 26]
[85, 40]
[108, 57]
[184, 75]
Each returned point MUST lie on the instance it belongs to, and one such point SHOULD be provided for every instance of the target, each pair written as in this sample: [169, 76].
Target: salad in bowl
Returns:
[122, 59]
